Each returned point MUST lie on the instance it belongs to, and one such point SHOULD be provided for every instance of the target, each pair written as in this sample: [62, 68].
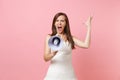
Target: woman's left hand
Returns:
[88, 22]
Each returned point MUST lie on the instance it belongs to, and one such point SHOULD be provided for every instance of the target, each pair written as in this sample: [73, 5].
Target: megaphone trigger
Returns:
[55, 43]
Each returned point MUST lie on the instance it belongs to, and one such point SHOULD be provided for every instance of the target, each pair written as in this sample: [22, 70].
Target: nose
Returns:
[59, 23]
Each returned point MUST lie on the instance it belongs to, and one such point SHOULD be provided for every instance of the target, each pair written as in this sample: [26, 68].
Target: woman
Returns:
[61, 61]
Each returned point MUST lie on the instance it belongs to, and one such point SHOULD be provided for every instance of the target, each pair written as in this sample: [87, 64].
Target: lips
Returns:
[59, 28]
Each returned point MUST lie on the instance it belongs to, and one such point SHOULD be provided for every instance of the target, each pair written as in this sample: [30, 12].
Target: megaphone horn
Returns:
[55, 43]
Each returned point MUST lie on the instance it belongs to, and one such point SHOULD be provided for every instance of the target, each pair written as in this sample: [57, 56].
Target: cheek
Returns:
[64, 24]
[55, 24]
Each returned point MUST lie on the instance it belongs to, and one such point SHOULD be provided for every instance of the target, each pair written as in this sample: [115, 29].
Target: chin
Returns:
[60, 32]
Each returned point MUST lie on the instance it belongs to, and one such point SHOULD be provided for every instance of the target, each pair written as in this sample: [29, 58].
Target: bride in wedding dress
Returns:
[61, 60]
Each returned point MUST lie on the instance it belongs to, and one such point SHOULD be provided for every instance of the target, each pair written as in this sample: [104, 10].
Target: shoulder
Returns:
[73, 37]
[48, 37]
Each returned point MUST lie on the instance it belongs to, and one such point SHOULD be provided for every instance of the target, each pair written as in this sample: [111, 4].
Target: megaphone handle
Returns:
[53, 53]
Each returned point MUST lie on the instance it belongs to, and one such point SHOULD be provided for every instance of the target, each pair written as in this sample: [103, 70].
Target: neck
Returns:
[61, 33]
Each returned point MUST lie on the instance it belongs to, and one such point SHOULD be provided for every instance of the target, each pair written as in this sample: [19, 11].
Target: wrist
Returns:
[53, 54]
[88, 27]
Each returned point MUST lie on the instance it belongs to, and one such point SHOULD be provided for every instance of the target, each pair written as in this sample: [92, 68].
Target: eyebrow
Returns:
[61, 19]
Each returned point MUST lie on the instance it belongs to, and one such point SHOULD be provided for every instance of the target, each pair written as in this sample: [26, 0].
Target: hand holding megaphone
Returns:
[55, 43]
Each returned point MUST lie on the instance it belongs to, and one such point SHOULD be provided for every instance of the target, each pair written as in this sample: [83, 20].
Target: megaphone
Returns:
[55, 43]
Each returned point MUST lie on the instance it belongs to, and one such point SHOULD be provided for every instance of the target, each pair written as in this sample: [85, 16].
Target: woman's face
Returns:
[60, 24]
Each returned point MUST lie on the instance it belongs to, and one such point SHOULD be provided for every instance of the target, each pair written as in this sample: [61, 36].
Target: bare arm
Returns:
[86, 43]
[48, 55]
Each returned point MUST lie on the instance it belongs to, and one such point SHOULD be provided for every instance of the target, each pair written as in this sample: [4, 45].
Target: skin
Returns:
[60, 22]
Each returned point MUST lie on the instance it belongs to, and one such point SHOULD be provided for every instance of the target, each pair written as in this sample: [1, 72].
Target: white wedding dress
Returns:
[61, 65]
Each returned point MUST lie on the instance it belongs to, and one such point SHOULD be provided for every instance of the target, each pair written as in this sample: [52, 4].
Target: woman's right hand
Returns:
[48, 53]
[53, 53]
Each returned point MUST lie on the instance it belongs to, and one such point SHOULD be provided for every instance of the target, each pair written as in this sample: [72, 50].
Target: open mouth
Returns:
[59, 27]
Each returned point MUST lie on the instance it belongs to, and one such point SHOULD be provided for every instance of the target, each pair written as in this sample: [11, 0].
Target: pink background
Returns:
[24, 25]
